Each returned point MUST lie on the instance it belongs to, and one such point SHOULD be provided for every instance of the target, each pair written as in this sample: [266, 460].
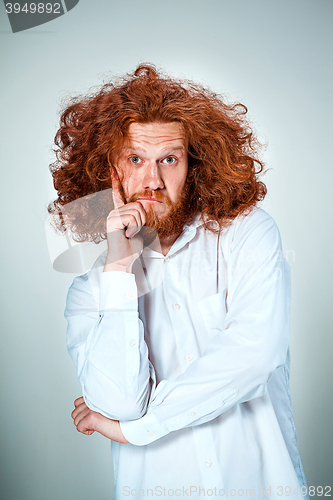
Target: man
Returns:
[180, 342]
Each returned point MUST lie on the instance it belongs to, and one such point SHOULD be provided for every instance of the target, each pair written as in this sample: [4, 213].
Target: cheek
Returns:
[131, 183]
[175, 191]
[177, 186]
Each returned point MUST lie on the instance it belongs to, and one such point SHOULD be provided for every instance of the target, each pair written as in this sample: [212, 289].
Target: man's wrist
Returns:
[114, 266]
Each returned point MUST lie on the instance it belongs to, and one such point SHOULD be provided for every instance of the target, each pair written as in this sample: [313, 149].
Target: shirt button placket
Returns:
[209, 463]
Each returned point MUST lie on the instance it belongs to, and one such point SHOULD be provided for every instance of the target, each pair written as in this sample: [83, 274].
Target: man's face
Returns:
[153, 166]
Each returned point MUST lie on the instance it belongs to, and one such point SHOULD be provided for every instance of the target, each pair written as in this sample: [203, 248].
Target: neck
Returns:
[163, 245]
[167, 243]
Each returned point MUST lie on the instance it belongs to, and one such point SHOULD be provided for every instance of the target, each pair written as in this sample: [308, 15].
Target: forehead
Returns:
[155, 134]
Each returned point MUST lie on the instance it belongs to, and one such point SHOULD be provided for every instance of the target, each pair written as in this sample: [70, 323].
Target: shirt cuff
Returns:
[117, 292]
[143, 431]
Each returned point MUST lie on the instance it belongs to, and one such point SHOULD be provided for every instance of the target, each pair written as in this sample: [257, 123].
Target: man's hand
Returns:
[88, 421]
[123, 247]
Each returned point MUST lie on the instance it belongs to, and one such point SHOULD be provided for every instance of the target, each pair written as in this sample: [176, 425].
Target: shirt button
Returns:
[150, 434]
[189, 357]
[132, 343]
[193, 414]
[209, 463]
[177, 307]
[130, 295]
[166, 260]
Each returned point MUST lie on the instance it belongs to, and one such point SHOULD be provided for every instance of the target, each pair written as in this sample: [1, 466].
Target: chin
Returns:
[155, 210]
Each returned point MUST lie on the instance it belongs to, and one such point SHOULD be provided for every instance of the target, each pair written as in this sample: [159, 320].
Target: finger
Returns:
[134, 225]
[142, 213]
[81, 415]
[116, 189]
[99, 423]
[78, 410]
[78, 401]
[88, 433]
[135, 209]
[86, 424]
[132, 231]
[125, 218]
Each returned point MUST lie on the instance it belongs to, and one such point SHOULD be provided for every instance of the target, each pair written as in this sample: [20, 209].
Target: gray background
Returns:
[275, 56]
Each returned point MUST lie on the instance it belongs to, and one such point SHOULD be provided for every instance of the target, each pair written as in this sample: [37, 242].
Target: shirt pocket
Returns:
[213, 311]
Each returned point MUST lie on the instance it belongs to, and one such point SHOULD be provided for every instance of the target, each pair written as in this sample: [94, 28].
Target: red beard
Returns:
[171, 224]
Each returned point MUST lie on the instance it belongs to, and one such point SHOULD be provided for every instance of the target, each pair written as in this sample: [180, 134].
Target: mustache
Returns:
[148, 193]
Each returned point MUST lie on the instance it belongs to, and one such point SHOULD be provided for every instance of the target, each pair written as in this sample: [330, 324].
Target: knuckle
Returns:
[133, 209]
[132, 218]
[90, 419]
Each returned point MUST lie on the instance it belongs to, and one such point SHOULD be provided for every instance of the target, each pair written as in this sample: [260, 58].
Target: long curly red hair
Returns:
[224, 164]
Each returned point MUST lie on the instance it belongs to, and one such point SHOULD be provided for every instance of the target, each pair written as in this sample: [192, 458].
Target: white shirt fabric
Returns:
[190, 353]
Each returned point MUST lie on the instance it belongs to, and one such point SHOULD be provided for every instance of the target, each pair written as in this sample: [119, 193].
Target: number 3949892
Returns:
[33, 8]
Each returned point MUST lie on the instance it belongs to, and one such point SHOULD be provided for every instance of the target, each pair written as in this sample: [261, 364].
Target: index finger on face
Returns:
[116, 186]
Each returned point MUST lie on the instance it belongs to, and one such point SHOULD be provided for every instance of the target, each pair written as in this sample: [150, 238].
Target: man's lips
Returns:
[150, 199]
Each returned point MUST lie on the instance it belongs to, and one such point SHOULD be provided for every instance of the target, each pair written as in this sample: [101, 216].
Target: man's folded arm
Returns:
[105, 339]
[238, 362]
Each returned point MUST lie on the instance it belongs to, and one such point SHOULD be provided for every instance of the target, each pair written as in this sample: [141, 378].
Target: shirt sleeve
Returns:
[105, 339]
[239, 360]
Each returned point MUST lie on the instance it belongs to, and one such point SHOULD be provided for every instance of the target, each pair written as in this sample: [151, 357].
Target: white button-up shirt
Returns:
[190, 353]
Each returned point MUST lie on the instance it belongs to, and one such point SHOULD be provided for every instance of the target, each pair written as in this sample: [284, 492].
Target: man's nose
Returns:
[152, 178]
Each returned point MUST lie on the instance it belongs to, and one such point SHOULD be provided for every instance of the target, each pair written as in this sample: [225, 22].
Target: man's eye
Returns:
[169, 160]
[135, 159]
